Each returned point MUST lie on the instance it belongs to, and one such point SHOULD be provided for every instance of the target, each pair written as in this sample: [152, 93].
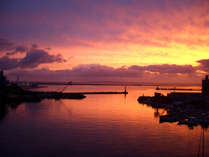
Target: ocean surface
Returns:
[97, 126]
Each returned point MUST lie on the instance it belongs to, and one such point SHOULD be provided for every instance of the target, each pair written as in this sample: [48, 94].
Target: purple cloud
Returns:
[32, 59]
[172, 68]
[96, 73]
[166, 68]
[204, 65]
[96, 70]
[36, 57]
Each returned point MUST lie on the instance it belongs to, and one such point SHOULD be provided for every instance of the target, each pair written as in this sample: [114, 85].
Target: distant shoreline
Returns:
[109, 84]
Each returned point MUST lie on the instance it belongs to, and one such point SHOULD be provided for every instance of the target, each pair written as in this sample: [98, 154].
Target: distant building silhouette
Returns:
[205, 86]
[3, 80]
[3, 85]
[192, 96]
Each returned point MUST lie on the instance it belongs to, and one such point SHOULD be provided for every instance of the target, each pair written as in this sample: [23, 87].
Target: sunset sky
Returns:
[105, 40]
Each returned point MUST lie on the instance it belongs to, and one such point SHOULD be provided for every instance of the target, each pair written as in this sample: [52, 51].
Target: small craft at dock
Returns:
[186, 108]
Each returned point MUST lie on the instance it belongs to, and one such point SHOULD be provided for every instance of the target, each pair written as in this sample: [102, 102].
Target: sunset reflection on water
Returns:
[99, 125]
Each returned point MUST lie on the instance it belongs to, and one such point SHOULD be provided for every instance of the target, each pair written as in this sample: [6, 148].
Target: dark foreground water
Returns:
[97, 126]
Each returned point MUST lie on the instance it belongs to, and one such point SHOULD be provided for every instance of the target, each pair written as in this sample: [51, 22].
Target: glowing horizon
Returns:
[106, 34]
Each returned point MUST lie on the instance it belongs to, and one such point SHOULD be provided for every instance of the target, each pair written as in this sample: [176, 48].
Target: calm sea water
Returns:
[97, 126]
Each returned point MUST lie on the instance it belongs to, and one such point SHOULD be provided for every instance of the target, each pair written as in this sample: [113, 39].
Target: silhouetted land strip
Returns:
[85, 84]
[190, 109]
[13, 93]
[183, 89]
[57, 95]
[190, 112]
[41, 84]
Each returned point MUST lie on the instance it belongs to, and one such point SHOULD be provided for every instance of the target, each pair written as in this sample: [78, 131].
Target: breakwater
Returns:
[109, 92]
[64, 95]
[57, 95]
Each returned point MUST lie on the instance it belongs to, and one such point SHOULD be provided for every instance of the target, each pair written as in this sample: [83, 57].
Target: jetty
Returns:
[66, 95]
[124, 92]
[108, 92]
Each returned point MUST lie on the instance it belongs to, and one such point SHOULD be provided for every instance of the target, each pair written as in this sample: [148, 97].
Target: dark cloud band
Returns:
[32, 59]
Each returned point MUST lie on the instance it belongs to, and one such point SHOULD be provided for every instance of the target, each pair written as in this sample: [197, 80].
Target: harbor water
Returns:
[97, 126]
